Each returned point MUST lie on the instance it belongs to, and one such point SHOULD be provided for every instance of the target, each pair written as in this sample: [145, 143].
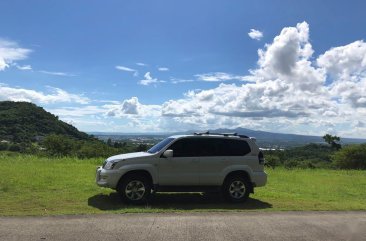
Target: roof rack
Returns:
[220, 134]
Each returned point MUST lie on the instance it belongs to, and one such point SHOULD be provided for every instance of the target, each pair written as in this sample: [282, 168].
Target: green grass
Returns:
[32, 185]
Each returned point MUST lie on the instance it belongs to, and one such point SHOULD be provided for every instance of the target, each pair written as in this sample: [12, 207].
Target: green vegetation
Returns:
[351, 157]
[32, 185]
[24, 123]
[318, 156]
[27, 128]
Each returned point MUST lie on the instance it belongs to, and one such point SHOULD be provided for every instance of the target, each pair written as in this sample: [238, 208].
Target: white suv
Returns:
[200, 162]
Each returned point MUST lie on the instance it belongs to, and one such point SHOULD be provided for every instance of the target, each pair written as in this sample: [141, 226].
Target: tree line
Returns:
[330, 155]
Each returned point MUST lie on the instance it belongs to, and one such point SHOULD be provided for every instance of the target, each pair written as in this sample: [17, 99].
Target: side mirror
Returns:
[168, 153]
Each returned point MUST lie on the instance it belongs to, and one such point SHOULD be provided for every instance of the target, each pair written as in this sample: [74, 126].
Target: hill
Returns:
[264, 139]
[23, 122]
[281, 140]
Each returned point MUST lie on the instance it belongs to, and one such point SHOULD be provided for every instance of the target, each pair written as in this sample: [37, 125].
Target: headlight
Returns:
[109, 165]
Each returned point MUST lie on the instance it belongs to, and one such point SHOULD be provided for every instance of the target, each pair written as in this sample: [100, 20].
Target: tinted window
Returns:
[190, 147]
[186, 147]
[230, 147]
[160, 145]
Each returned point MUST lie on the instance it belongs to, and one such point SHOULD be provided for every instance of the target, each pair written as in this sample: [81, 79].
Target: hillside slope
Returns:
[25, 122]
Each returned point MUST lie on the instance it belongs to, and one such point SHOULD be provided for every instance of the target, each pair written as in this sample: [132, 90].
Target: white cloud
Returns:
[221, 76]
[24, 67]
[55, 95]
[78, 111]
[124, 68]
[132, 108]
[290, 90]
[11, 52]
[177, 81]
[289, 94]
[141, 64]
[255, 34]
[344, 61]
[163, 69]
[57, 73]
[149, 80]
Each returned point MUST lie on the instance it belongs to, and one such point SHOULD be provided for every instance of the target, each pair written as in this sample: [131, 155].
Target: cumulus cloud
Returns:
[255, 34]
[132, 108]
[55, 95]
[11, 52]
[344, 61]
[290, 90]
[287, 87]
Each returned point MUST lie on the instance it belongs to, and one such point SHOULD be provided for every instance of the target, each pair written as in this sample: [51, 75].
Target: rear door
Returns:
[224, 152]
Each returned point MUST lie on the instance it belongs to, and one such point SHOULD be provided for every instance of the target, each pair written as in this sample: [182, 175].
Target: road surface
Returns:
[259, 226]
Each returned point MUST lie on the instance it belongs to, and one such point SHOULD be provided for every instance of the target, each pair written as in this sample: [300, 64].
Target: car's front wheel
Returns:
[135, 189]
[236, 189]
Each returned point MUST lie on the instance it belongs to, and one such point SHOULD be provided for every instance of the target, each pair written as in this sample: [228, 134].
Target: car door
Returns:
[212, 162]
[182, 168]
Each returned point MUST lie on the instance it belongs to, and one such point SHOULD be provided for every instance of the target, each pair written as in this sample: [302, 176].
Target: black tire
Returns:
[139, 187]
[236, 189]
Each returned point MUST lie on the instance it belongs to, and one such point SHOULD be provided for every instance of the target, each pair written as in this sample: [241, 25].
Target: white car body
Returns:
[192, 171]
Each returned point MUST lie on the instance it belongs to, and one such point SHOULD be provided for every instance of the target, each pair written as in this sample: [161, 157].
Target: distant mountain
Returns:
[264, 139]
[272, 140]
[25, 122]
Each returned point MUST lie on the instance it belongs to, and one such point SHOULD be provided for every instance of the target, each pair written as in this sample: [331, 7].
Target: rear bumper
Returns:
[259, 179]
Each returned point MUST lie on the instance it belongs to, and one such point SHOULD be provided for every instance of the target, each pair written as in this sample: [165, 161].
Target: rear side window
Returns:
[230, 147]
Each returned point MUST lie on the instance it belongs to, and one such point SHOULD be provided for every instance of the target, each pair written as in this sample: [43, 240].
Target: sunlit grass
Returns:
[32, 185]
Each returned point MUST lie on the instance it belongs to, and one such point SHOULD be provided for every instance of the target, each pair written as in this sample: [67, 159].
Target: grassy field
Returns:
[42, 186]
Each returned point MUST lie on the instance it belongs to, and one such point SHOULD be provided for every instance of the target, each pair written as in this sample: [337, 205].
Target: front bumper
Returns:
[107, 178]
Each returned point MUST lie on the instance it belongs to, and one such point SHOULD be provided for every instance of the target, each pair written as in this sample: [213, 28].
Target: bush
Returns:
[4, 146]
[15, 148]
[272, 161]
[351, 157]
[59, 145]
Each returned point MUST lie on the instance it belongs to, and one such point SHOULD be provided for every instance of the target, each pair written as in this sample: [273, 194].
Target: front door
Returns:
[182, 168]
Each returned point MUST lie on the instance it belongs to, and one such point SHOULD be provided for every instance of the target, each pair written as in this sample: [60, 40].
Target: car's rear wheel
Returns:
[236, 189]
[135, 189]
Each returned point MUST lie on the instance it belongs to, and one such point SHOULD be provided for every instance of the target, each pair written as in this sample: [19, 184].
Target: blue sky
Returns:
[148, 66]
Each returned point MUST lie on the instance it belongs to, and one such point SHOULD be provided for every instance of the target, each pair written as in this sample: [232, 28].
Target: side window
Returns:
[205, 147]
[184, 148]
[233, 147]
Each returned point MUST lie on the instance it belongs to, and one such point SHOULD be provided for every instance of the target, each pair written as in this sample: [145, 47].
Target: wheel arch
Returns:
[241, 173]
[136, 172]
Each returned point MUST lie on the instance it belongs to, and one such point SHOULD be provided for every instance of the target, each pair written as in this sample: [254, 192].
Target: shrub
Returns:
[351, 157]
[59, 145]
[4, 146]
[272, 161]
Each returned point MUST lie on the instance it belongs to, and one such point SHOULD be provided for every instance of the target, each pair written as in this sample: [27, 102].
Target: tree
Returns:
[351, 157]
[141, 147]
[333, 141]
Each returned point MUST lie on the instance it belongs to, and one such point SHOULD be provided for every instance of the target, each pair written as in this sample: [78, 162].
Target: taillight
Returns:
[261, 158]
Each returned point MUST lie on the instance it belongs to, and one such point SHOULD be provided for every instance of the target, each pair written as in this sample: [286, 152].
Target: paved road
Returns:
[261, 226]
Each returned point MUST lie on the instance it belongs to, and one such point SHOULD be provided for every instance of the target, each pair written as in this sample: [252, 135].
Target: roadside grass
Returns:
[31, 185]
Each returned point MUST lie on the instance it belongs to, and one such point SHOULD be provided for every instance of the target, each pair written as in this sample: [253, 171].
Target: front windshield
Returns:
[160, 145]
